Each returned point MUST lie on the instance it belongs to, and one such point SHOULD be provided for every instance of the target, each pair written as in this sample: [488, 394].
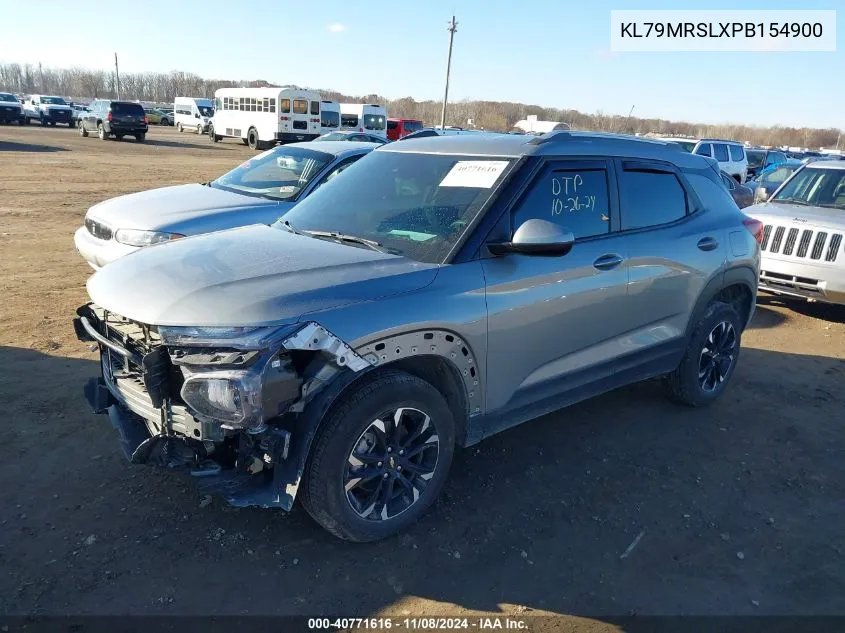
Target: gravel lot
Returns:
[741, 506]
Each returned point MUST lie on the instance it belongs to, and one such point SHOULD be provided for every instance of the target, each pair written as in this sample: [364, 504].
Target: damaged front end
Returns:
[224, 404]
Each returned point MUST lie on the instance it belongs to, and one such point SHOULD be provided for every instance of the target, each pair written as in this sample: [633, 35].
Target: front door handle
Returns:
[708, 244]
[607, 262]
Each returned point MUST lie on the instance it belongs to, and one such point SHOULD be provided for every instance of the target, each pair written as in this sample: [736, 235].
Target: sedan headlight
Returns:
[138, 237]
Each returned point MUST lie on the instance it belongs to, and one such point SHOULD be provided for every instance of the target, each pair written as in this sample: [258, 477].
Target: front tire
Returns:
[380, 458]
[710, 358]
[199, 130]
[179, 128]
[212, 136]
[82, 131]
[101, 132]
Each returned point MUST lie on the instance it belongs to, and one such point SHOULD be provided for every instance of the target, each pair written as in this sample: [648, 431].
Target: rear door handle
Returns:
[607, 262]
[708, 244]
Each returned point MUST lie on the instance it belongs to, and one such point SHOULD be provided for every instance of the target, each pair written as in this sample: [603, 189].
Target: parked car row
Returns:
[327, 321]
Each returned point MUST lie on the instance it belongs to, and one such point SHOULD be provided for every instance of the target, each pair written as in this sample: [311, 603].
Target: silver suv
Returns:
[438, 291]
[803, 251]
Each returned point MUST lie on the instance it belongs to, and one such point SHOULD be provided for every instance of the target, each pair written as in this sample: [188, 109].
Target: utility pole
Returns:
[453, 26]
[630, 112]
[116, 76]
[41, 78]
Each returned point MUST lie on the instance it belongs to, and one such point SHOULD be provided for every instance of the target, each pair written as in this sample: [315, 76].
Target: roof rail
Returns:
[557, 135]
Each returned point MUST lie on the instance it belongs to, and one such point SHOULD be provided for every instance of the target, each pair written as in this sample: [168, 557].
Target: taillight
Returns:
[108, 116]
[283, 118]
[755, 227]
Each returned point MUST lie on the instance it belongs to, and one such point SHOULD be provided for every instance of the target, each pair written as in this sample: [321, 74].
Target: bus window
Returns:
[373, 122]
[300, 106]
[315, 107]
[349, 120]
[284, 106]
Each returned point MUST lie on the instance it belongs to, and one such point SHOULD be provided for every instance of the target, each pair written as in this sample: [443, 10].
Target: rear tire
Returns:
[381, 419]
[101, 132]
[43, 122]
[179, 128]
[165, 121]
[710, 358]
[139, 138]
[82, 131]
[211, 135]
[252, 139]
[119, 137]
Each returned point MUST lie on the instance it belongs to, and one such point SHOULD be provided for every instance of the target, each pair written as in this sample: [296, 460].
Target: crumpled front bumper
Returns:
[134, 404]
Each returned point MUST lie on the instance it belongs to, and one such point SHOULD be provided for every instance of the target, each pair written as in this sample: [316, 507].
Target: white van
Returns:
[364, 117]
[329, 116]
[262, 117]
[192, 114]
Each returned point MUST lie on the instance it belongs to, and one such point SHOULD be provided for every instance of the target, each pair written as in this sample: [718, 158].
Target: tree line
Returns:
[82, 84]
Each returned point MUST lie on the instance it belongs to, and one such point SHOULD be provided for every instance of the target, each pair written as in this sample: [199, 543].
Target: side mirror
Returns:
[196, 115]
[536, 237]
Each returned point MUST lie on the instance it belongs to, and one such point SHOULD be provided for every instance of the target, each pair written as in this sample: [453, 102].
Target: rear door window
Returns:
[349, 120]
[720, 152]
[284, 106]
[300, 106]
[315, 107]
[704, 150]
[649, 196]
[737, 152]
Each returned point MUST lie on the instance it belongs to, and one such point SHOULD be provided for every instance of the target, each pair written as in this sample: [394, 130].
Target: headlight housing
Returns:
[138, 237]
[244, 338]
[231, 396]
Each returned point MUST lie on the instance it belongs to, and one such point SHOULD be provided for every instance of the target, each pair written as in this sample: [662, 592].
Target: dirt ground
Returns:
[741, 506]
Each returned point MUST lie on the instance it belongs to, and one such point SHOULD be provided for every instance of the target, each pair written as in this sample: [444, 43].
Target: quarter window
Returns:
[704, 150]
[720, 152]
[737, 153]
[650, 198]
[575, 199]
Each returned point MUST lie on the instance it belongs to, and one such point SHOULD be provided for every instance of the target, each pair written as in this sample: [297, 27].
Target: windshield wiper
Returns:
[290, 228]
[371, 244]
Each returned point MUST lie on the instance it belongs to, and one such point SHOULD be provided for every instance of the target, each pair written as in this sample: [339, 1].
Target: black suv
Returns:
[114, 118]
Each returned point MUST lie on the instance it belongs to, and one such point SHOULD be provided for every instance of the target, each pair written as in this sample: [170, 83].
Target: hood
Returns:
[783, 212]
[256, 275]
[55, 106]
[170, 207]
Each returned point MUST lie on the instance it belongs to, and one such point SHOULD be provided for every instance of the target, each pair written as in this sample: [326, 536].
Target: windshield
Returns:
[334, 136]
[206, 110]
[815, 186]
[415, 205]
[7, 97]
[53, 100]
[279, 174]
